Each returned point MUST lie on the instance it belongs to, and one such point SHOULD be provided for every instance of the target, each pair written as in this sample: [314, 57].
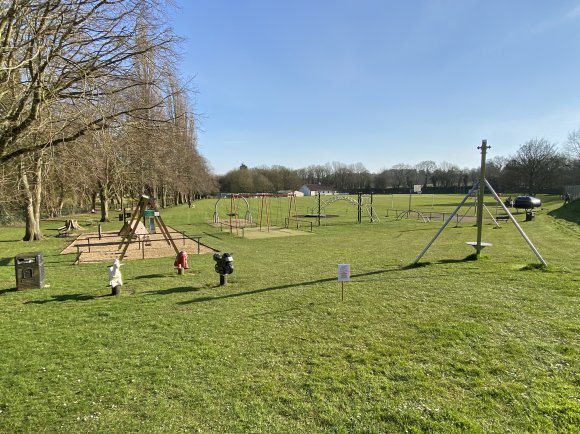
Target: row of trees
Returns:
[91, 107]
[538, 165]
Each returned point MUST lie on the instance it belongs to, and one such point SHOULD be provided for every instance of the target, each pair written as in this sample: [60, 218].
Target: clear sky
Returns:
[380, 82]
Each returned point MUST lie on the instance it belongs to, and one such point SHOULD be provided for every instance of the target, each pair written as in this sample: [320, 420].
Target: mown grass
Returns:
[455, 345]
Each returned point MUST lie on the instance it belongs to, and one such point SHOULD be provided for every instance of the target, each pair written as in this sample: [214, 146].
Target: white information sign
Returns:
[343, 272]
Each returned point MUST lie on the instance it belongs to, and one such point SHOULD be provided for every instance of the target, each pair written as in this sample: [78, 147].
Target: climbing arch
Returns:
[363, 203]
[234, 207]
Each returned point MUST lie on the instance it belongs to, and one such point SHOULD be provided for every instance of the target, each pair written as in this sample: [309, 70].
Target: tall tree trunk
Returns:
[32, 200]
[163, 193]
[104, 198]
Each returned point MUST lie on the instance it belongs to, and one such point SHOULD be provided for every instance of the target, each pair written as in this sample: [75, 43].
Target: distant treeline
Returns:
[537, 167]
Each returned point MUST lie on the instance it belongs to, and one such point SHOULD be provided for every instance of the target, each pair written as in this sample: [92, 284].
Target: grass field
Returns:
[454, 345]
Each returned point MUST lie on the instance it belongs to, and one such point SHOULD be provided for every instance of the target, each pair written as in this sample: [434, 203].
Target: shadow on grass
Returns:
[176, 290]
[5, 261]
[472, 257]
[212, 235]
[68, 297]
[4, 291]
[290, 285]
[152, 276]
[468, 258]
[570, 212]
[540, 267]
[417, 230]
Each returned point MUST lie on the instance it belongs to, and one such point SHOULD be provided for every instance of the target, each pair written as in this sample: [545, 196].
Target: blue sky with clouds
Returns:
[380, 82]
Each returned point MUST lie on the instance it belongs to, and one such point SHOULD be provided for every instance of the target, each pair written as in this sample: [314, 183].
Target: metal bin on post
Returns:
[29, 269]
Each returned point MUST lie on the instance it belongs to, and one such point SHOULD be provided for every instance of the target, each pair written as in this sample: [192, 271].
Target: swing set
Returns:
[269, 217]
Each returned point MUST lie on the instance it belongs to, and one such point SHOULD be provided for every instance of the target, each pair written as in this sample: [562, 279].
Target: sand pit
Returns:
[245, 229]
[90, 248]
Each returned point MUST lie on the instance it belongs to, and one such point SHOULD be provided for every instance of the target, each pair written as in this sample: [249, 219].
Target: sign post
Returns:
[343, 275]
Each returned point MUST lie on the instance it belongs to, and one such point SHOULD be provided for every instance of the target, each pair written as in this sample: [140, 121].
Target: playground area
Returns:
[488, 328]
[241, 228]
[90, 247]
[244, 214]
[413, 329]
[259, 216]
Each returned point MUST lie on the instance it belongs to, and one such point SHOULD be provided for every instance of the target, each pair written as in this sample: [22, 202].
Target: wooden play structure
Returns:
[146, 210]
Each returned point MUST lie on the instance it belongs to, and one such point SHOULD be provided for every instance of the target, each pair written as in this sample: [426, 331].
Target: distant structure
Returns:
[294, 193]
[314, 189]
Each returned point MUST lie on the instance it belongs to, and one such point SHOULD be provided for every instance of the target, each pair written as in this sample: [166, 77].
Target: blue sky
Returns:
[379, 82]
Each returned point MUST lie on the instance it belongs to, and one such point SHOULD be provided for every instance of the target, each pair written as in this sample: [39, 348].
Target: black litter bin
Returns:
[29, 269]
[529, 216]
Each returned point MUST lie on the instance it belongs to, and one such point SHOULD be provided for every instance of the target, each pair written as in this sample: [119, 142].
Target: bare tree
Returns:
[446, 175]
[9, 201]
[573, 145]
[31, 170]
[535, 165]
[426, 168]
[495, 171]
[361, 176]
[403, 175]
[59, 59]
[382, 179]
[61, 65]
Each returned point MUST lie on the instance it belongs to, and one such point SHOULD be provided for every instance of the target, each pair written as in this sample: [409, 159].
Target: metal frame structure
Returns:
[479, 186]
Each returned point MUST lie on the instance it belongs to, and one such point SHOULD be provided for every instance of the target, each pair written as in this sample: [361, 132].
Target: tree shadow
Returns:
[67, 297]
[212, 235]
[290, 285]
[569, 212]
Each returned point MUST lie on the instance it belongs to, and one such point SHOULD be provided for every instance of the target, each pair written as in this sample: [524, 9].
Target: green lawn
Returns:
[455, 345]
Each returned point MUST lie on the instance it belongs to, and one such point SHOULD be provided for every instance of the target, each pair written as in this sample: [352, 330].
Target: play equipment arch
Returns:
[234, 199]
[361, 205]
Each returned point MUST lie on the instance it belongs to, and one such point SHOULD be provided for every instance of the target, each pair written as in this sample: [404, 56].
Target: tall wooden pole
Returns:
[480, 195]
